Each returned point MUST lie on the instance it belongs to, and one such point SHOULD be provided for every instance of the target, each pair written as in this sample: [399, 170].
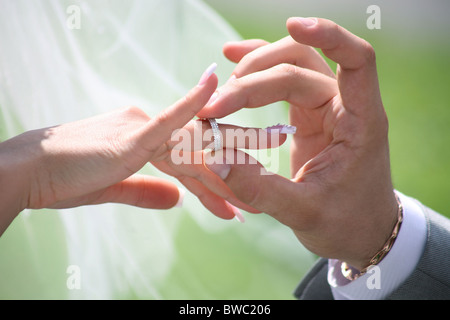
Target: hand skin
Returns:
[94, 161]
[339, 201]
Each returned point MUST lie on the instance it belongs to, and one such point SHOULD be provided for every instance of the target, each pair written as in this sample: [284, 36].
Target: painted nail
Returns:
[237, 213]
[307, 22]
[282, 128]
[232, 78]
[215, 161]
[221, 169]
[208, 72]
[181, 193]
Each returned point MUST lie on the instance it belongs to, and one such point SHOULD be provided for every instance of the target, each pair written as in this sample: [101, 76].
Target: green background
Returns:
[189, 254]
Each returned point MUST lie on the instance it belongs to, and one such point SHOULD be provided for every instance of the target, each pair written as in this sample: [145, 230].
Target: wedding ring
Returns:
[216, 134]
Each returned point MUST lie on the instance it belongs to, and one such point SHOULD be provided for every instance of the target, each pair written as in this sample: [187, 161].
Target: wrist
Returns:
[363, 265]
[15, 169]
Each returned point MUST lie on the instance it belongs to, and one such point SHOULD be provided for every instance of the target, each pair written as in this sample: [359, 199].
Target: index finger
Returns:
[159, 129]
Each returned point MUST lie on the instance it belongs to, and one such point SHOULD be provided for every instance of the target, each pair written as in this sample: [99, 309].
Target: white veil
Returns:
[65, 60]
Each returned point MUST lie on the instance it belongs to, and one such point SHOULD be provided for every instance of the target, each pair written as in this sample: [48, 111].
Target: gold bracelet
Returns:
[348, 272]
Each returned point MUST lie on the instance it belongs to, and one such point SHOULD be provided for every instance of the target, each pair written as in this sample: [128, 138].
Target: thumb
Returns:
[254, 185]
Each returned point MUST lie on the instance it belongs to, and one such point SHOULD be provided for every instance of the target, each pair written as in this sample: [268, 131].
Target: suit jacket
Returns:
[429, 281]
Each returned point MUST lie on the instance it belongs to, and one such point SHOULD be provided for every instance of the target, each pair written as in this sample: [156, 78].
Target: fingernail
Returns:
[181, 193]
[215, 162]
[208, 72]
[307, 22]
[222, 170]
[237, 213]
[282, 128]
[232, 78]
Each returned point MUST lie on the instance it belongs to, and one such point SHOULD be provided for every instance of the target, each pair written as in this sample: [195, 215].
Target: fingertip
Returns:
[203, 114]
[208, 81]
[282, 139]
[181, 195]
[230, 44]
[207, 90]
[222, 210]
[237, 213]
[210, 112]
[207, 74]
[236, 50]
[291, 22]
[302, 22]
[166, 194]
[217, 163]
[211, 82]
[231, 51]
[298, 27]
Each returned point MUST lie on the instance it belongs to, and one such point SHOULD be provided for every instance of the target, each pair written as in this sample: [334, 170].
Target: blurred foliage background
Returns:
[129, 253]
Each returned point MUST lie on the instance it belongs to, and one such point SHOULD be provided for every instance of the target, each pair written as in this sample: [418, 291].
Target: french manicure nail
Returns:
[232, 78]
[221, 169]
[181, 193]
[282, 128]
[307, 22]
[208, 72]
[215, 161]
[237, 213]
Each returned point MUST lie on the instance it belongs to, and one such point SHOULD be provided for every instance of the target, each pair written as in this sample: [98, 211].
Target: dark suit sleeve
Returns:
[429, 281]
[431, 278]
[314, 285]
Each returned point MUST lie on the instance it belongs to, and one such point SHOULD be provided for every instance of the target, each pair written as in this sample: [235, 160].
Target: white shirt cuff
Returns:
[381, 280]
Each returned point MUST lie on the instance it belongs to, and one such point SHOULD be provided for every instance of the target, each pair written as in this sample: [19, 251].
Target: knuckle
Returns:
[250, 59]
[291, 75]
[188, 98]
[334, 31]
[135, 112]
[368, 52]
[132, 110]
[288, 69]
[254, 60]
[163, 118]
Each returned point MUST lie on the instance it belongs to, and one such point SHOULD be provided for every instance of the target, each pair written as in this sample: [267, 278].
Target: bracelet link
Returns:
[348, 272]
